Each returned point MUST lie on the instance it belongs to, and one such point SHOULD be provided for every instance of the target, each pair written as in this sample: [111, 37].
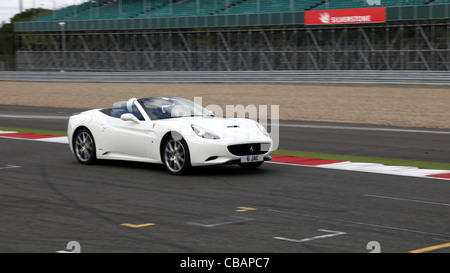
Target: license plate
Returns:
[251, 158]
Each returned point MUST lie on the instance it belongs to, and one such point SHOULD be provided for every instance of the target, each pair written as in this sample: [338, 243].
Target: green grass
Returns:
[35, 131]
[367, 159]
[352, 158]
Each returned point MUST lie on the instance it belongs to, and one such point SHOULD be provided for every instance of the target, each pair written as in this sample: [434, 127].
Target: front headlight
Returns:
[201, 132]
[262, 129]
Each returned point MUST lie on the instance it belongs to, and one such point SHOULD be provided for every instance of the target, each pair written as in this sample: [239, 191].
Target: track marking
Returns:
[72, 247]
[430, 248]
[294, 214]
[440, 175]
[364, 129]
[409, 200]
[34, 117]
[9, 167]
[213, 222]
[137, 226]
[242, 209]
[34, 137]
[332, 234]
[61, 140]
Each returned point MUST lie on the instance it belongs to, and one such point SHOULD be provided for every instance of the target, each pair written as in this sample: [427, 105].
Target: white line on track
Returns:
[409, 200]
[61, 140]
[376, 226]
[331, 233]
[8, 167]
[331, 127]
[34, 117]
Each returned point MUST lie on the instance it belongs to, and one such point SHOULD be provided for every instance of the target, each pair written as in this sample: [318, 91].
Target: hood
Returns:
[226, 127]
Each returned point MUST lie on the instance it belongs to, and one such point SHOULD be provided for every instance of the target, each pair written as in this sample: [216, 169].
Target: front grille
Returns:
[249, 149]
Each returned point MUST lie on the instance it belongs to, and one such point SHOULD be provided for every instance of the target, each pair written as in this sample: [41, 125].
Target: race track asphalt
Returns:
[48, 199]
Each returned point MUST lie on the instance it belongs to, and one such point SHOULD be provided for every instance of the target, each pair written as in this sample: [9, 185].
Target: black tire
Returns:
[251, 165]
[175, 156]
[84, 147]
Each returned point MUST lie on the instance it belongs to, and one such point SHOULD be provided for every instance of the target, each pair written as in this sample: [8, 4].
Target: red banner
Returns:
[345, 16]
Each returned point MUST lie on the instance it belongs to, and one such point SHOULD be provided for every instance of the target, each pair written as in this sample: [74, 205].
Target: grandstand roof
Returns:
[144, 14]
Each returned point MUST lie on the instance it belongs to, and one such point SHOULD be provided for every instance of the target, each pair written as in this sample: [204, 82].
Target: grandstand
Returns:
[108, 9]
[350, 4]
[142, 35]
[132, 9]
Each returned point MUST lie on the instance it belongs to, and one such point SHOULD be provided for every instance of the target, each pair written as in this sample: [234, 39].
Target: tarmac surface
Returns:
[48, 199]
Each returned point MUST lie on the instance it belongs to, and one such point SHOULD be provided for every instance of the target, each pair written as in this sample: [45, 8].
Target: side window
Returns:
[118, 109]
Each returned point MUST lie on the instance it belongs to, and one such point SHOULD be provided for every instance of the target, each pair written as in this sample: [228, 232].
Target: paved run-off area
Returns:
[410, 106]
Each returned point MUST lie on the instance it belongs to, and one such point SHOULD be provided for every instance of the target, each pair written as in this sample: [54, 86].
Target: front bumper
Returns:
[213, 152]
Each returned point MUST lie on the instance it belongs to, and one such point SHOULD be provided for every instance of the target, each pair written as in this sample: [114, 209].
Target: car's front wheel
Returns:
[176, 156]
[84, 147]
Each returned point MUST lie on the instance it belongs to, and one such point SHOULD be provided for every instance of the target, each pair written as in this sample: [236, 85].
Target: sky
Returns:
[9, 8]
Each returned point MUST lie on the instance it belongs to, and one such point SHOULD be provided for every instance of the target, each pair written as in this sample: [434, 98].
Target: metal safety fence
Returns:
[278, 77]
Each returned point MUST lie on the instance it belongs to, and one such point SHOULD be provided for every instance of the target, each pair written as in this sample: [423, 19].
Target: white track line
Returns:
[34, 117]
[331, 127]
[383, 169]
[9, 167]
[61, 140]
[408, 200]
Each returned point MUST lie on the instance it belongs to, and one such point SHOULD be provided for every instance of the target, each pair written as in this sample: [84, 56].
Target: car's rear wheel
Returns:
[84, 147]
[176, 156]
[251, 165]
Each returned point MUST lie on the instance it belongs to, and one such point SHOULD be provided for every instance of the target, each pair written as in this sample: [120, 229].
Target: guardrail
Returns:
[360, 76]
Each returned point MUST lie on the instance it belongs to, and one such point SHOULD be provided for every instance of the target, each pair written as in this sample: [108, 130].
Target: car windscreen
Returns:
[164, 108]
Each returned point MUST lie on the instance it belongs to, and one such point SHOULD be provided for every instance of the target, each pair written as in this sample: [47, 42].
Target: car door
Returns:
[125, 139]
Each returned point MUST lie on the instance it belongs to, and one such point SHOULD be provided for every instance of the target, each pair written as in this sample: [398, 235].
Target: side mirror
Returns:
[129, 117]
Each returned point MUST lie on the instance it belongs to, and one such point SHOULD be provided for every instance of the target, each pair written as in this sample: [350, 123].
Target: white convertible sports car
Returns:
[173, 131]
